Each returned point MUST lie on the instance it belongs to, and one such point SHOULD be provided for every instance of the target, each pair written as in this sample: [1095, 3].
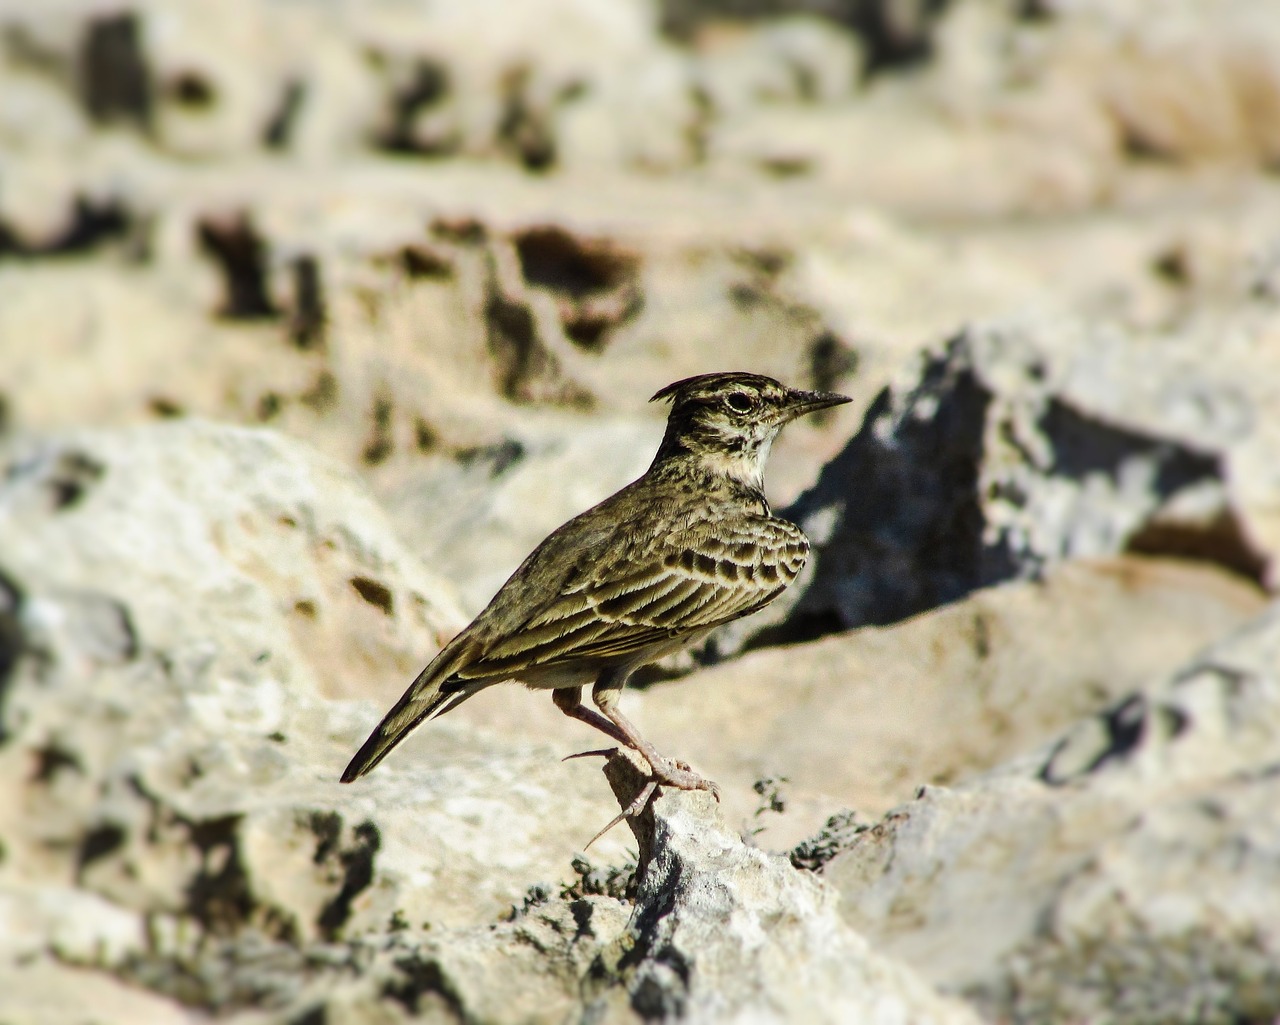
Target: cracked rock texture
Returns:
[316, 317]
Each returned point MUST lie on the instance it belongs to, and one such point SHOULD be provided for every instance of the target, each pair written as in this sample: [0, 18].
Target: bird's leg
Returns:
[569, 701]
[666, 772]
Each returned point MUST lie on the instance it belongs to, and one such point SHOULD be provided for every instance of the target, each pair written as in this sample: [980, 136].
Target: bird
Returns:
[688, 546]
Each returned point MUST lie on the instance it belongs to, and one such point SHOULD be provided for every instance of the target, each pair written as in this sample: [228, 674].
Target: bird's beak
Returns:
[803, 402]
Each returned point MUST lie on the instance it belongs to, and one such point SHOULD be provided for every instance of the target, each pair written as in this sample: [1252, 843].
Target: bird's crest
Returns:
[711, 382]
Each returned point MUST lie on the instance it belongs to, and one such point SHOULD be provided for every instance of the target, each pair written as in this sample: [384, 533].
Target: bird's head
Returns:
[728, 421]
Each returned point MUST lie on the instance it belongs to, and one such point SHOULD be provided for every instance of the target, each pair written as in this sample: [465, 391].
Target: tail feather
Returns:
[424, 698]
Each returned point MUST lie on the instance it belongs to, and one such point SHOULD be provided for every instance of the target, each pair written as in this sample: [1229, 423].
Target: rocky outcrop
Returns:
[175, 836]
[315, 318]
[1021, 445]
[178, 705]
[724, 932]
[199, 852]
[1074, 882]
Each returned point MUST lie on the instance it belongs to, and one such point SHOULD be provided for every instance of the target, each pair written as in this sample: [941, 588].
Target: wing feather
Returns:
[602, 613]
[640, 600]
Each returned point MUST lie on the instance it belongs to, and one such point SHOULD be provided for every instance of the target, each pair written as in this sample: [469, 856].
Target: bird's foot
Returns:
[664, 772]
[670, 773]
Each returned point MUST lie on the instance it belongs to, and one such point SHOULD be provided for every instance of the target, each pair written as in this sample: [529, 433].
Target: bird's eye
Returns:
[739, 402]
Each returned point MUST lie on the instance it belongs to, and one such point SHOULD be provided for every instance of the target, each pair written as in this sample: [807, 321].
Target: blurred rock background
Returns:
[316, 315]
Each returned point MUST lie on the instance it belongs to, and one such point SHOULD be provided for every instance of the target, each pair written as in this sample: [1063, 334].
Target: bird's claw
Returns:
[604, 752]
[634, 808]
[664, 773]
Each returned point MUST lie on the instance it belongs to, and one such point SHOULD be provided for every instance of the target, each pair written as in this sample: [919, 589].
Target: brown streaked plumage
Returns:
[690, 545]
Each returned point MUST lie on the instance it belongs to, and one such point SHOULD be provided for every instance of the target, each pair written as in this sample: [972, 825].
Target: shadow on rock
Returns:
[1010, 451]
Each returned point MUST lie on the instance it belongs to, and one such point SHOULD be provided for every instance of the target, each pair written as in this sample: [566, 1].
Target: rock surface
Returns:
[864, 718]
[315, 318]
[725, 932]
[860, 720]
[1074, 881]
[172, 734]
[1022, 445]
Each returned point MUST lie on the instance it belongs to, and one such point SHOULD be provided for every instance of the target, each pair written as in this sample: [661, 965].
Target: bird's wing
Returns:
[617, 607]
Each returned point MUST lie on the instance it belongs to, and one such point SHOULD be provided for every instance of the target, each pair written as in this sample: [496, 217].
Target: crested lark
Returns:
[689, 546]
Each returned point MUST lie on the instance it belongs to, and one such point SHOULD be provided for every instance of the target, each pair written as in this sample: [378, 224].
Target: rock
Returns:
[1075, 881]
[715, 930]
[1047, 108]
[1020, 445]
[467, 81]
[40, 992]
[209, 83]
[529, 968]
[476, 517]
[778, 61]
[862, 719]
[183, 603]
[188, 529]
[1190, 89]
[455, 248]
[725, 932]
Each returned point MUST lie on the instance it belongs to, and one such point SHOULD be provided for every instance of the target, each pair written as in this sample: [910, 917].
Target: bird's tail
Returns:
[425, 697]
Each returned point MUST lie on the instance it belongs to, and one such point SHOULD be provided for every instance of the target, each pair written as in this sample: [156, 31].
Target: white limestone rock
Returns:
[1078, 880]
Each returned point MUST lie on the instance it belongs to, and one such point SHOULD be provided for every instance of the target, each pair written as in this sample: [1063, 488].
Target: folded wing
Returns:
[616, 609]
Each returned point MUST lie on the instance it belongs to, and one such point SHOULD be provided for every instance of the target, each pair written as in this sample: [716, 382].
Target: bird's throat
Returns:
[739, 457]
[746, 466]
